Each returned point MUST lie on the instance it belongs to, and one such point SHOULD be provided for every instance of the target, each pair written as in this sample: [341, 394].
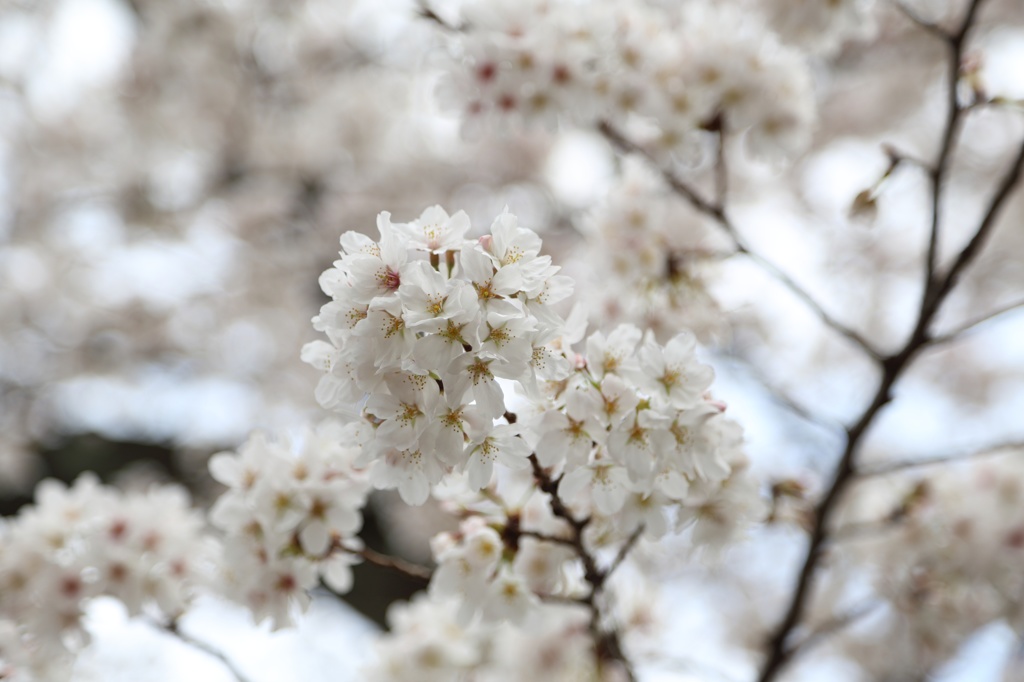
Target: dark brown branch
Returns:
[721, 164]
[936, 290]
[623, 144]
[427, 12]
[954, 119]
[973, 248]
[607, 643]
[779, 652]
[547, 538]
[892, 368]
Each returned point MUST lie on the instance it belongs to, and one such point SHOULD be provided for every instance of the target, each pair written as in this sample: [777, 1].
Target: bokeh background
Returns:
[175, 175]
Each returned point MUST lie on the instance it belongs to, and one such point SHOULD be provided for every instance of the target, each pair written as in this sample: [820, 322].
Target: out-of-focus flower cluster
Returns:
[145, 549]
[650, 254]
[818, 26]
[669, 71]
[289, 518]
[429, 643]
[947, 564]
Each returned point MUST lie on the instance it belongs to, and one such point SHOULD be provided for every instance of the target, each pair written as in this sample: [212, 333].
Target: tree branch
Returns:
[973, 248]
[776, 394]
[892, 368]
[834, 625]
[416, 572]
[928, 26]
[554, 539]
[886, 468]
[626, 548]
[968, 326]
[623, 144]
[627, 146]
[954, 118]
[607, 643]
[721, 164]
[172, 628]
[428, 12]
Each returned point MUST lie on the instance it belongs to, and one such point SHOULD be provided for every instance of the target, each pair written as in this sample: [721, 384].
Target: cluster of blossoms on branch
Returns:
[145, 549]
[422, 326]
[654, 254]
[612, 442]
[425, 322]
[428, 643]
[668, 73]
[618, 441]
[945, 562]
[289, 518]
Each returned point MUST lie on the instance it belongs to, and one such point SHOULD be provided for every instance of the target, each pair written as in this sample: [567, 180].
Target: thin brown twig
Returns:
[916, 19]
[886, 468]
[898, 156]
[172, 628]
[624, 551]
[777, 395]
[968, 326]
[936, 291]
[834, 625]
[607, 643]
[625, 145]
[428, 12]
[892, 368]
[721, 163]
[973, 247]
[861, 529]
[954, 119]
[546, 537]
[560, 599]
[420, 574]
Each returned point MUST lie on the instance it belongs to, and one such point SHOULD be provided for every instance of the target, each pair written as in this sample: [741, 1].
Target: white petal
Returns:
[314, 538]
[337, 572]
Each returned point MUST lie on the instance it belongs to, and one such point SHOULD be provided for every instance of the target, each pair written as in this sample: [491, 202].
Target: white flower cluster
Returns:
[428, 643]
[85, 541]
[817, 26]
[653, 253]
[289, 517]
[423, 322]
[422, 325]
[476, 568]
[636, 440]
[673, 69]
[947, 564]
